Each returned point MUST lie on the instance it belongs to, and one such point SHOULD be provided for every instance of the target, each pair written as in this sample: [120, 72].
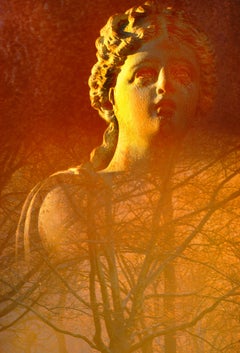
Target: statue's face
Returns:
[156, 91]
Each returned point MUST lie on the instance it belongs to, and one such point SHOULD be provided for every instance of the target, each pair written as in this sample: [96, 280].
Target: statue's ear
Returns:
[109, 104]
[111, 96]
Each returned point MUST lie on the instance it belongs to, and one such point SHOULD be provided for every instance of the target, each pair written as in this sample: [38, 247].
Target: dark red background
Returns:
[47, 49]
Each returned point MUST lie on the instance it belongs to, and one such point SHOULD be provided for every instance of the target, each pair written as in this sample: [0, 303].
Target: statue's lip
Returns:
[166, 104]
[165, 109]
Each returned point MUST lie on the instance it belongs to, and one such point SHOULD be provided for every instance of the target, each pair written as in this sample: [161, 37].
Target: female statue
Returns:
[154, 75]
[142, 36]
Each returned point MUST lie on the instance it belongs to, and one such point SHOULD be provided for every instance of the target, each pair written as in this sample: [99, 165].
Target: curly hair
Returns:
[123, 35]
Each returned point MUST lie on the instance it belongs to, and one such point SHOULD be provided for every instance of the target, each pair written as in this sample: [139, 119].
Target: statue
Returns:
[142, 37]
[154, 75]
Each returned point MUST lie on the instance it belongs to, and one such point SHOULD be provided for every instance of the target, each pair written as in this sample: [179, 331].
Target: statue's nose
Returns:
[164, 82]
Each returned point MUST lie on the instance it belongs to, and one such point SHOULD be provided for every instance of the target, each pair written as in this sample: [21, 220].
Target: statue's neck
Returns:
[140, 160]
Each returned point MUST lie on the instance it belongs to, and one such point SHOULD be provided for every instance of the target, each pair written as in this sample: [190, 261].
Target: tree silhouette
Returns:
[147, 262]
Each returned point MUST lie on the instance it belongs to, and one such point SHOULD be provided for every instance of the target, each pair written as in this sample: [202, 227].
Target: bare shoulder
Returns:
[62, 217]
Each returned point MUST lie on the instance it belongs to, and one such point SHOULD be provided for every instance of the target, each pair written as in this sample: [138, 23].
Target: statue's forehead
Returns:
[164, 44]
[163, 48]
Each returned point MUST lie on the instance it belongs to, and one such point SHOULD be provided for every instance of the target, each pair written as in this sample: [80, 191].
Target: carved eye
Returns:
[182, 74]
[145, 76]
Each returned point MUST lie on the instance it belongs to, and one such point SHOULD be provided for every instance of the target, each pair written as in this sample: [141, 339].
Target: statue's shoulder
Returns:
[60, 197]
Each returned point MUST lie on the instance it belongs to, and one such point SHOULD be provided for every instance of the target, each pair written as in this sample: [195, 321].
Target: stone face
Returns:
[51, 52]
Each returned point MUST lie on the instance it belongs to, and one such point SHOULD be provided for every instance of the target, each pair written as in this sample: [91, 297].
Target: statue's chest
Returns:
[126, 211]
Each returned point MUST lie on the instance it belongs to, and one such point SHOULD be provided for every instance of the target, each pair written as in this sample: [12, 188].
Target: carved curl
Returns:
[125, 33]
